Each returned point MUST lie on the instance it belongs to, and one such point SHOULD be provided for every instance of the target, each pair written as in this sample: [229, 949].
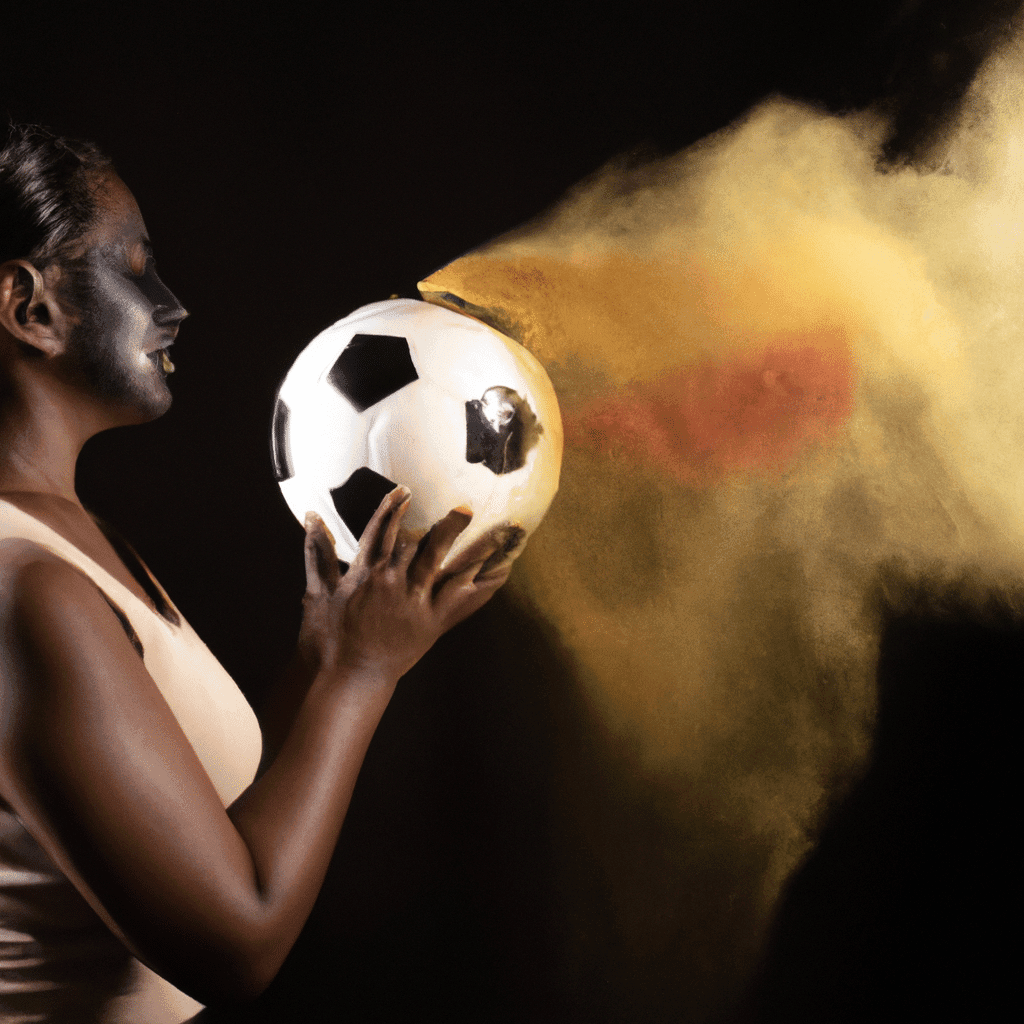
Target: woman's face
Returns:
[126, 317]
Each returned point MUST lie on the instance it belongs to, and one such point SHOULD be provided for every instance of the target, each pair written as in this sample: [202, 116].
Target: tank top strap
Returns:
[18, 524]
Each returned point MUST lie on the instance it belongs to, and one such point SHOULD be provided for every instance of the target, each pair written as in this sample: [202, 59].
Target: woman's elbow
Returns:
[237, 972]
[242, 984]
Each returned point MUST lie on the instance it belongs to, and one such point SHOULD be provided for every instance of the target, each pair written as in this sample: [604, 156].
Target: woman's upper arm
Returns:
[95, 764]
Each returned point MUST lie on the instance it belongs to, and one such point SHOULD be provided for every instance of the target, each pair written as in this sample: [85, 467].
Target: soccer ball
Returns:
[406, 392]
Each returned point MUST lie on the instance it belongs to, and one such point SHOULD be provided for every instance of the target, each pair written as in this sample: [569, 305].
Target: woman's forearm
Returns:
[291, 816]
[281, 705]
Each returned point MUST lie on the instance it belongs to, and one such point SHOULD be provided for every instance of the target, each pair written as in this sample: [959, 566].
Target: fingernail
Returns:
[465, 510]
[312, 521]
[512, 538]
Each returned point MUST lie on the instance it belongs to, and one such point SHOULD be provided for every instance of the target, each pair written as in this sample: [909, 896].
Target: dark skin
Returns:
[91, 758]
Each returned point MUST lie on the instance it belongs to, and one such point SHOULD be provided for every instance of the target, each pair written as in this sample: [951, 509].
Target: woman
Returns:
[143, 872]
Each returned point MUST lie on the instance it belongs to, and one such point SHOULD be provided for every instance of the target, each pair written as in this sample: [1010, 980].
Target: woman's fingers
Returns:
[314, 585]
[484, 567]
[435, 546]
[322, 568]
[467, 591]
[392, 528]
[489, 551]
[381, 531]
[406, 546]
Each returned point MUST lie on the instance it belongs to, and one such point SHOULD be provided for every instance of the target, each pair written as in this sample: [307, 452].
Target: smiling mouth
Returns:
[161, 359]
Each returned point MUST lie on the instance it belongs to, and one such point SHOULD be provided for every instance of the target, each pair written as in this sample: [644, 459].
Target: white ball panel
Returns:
[471, 360]
[416, 431]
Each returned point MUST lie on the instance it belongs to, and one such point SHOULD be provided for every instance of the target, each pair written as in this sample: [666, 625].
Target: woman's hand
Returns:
[378, 618]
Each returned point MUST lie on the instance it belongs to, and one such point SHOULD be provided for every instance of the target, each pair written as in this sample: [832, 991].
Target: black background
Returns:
[297, 163]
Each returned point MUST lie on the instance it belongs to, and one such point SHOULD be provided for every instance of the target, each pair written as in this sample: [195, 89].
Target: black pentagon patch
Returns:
[279, 444]
[358, 497]
[372, 367]
[501, 428]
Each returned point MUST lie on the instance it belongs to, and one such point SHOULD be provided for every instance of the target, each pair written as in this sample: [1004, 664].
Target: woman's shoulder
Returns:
[30, 572]
[46, 603]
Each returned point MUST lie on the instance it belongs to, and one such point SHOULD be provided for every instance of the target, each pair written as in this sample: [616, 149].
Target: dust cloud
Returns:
[791, 381]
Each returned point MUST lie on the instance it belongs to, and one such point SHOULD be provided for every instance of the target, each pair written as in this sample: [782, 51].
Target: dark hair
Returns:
[47, 201]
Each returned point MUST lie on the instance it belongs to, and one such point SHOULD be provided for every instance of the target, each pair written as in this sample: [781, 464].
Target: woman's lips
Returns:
[161, 359]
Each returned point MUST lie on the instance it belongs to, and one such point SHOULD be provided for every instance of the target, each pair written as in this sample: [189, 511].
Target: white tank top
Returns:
[58, 961]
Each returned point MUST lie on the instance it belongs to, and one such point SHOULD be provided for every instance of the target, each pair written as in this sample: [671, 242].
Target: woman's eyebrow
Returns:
[124, 246]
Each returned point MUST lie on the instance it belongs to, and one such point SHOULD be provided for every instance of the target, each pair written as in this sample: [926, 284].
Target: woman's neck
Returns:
[39, 448]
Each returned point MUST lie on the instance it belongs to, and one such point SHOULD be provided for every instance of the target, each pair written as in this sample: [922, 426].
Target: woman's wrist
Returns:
[354, 685]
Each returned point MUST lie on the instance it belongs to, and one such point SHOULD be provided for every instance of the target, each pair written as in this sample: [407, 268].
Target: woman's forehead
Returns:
[118, 218]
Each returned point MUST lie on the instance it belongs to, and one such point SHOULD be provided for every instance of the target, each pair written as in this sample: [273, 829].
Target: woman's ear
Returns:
[29, 310]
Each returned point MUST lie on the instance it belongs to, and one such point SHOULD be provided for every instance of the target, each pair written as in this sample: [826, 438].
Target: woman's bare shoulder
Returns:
[34, 580]
[27, 569]
[51, 614]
